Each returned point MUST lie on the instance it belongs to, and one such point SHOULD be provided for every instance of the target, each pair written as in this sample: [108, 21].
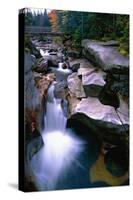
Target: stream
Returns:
[65, 159]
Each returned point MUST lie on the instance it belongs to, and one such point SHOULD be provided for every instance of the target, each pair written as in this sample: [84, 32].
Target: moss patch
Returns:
[99, 172]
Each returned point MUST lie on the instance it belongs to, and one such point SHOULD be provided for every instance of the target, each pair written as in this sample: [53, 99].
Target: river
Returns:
[65, 161]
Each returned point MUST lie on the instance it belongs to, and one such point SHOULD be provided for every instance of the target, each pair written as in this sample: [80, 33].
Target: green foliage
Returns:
[29, 19]
[96, 26]
[58, 40]
[76, 38]
[81, 25]
[124, 49]
[27, 41]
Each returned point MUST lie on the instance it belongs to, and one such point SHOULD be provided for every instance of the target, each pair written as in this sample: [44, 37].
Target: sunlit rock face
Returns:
[105, 56]
[75, 86]
[93, 108]
[93, 83]
[95, 78]
[43, 82]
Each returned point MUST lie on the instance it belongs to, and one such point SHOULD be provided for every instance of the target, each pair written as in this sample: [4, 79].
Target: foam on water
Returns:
[61, 147]
[63, 70]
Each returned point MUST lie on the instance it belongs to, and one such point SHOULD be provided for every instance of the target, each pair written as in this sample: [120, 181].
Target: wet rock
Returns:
[115, 83]
[121, 84]
[53, 53]
[60, 90]
[64, 105]
[43, 83]
[60, 56]
[108, 97]
[64, 65]
[52, 63]
[92, 90]
[75, 85]
[42, 66]
[73, 101]
[83, 66]
[75, 67]
[32, 48]
[52, 60]
[34, 146]
[110, 43]
[99, 172]
[103, 130]
[117, 161]
[53, 47]
[73, 54]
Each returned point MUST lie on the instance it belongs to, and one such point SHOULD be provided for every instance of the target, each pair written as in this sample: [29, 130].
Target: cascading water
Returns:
[61, 147]
[54, 118]
[46, 53]
[60, 68]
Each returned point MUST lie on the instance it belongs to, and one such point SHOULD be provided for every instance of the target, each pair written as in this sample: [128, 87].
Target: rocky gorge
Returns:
[94, 93]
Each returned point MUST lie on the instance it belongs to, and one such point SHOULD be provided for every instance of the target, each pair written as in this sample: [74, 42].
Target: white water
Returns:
[63, 70]
[44, 53]
[54, 118]
[61, 147]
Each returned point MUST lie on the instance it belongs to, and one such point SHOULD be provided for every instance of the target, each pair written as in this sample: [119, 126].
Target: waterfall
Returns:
[60, 68]
[54, 118]
[61, 147]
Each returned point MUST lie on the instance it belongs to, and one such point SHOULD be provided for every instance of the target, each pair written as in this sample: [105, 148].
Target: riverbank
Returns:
[96, 91]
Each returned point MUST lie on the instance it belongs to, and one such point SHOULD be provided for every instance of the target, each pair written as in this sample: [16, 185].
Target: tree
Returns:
[53, 20]
[46, 21]
[28, 18]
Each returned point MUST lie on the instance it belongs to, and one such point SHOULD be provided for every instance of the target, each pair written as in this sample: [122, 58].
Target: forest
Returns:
[82, 25]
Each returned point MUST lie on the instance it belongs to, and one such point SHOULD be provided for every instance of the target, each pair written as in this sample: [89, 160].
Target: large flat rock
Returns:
[84, 63]
[96, 78]
[105, 56]
[85, 70]
[93, 108]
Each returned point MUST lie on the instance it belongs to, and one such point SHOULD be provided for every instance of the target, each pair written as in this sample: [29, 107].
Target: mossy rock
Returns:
[123, 52]
[124, 49]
